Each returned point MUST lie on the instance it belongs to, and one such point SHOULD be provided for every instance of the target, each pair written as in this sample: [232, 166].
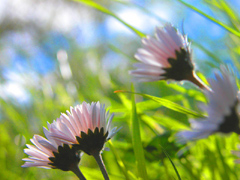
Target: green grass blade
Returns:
[119, 161]
[175, 169]
[137, 143]
[168, 104]
[225, 8]
[108, 12]
[233, 17]
[233, 31]
[223, 163]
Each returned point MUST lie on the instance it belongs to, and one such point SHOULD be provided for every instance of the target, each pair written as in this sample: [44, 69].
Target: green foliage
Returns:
[137, 143]
[168, 104]
[167, 155]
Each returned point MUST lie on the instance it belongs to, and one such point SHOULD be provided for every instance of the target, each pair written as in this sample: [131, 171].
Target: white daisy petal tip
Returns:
[113, 132]
[43, 155]
[106, 149]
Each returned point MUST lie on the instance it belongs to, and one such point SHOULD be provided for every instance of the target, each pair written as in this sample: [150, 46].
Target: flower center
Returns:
[231, 122]
[92, 142]
[181, 66]
[65, 158]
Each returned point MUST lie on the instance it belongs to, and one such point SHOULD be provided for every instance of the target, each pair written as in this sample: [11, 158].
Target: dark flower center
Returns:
[65, 158]
[231, 122]
[181, 66]
[92, 142]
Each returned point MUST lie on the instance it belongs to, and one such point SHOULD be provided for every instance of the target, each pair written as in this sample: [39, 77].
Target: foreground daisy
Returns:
[166, 57]
[46, 153]
[86, 127]
[223, 115]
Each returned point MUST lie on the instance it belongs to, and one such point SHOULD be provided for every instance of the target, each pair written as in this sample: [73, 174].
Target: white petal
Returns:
[184, 136]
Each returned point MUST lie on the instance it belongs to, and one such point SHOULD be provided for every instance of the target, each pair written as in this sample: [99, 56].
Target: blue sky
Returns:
[24, 52]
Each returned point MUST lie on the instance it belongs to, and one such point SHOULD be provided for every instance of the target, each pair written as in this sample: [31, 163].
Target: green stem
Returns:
[174, 167]
[77, 172]
[197, 81]
[101, 165]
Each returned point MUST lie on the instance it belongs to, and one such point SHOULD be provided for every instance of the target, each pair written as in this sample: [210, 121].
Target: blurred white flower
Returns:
[86, 126]
[222, 110]
[47, 153]
[237, 153]
[166, 57]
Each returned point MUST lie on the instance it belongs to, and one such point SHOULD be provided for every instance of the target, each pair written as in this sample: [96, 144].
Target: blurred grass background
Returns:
[56, 54]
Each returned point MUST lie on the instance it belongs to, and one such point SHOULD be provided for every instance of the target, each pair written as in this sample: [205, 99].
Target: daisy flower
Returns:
[168, 56]
[86, 127]
[222, 109]
[47, 153]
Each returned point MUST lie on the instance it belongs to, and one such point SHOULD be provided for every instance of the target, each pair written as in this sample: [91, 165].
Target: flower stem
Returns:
[197, 81]
[101, 165]
[77, 172]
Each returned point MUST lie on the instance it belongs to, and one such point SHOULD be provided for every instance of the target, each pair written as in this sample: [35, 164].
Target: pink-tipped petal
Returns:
[167, 56]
